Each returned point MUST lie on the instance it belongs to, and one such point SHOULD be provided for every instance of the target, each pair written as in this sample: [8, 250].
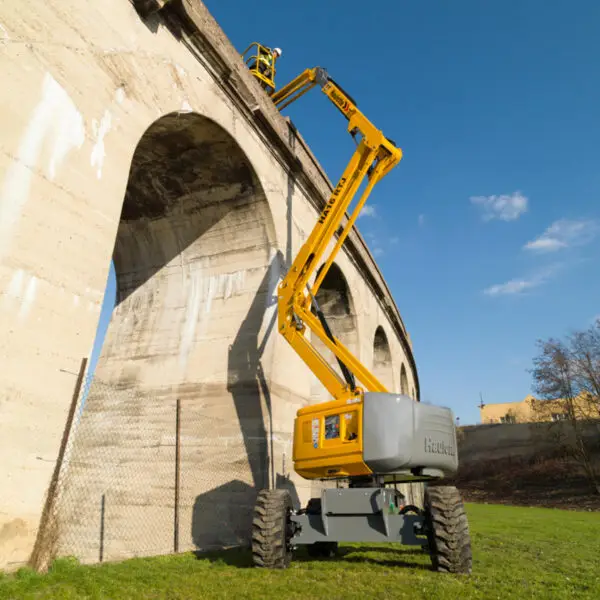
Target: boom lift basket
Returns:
[264, 74]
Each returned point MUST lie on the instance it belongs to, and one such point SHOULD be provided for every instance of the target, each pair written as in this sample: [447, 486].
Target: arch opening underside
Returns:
[382, 359]
[196, 274]
[335, 301]
[404, 387]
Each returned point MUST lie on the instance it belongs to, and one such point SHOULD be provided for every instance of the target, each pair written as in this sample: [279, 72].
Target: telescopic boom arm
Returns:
[374, 157]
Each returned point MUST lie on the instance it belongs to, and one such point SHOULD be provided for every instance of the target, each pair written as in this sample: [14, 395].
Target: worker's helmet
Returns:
[277, 51]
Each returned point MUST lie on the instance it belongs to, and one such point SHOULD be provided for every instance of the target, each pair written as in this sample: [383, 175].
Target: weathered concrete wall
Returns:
[153, 144]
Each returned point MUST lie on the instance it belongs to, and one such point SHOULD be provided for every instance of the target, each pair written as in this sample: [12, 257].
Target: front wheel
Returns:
[272, 529]
[447, 528]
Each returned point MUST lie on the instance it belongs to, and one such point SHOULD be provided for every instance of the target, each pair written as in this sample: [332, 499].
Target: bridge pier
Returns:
[123, 140]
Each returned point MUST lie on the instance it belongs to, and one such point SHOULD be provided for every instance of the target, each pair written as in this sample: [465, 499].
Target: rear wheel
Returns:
[272, 529]
[409, 508]
[447, 529]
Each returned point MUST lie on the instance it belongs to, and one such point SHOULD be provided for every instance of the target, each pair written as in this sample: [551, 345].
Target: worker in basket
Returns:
[266, 62]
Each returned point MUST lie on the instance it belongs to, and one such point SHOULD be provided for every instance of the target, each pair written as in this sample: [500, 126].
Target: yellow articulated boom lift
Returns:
[367, 435]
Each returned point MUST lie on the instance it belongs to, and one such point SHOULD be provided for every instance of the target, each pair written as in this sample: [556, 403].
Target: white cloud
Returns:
[421, 220]
[520, 285]
[504, 207]
[514, 286]
[562, 234]
[368, 210]
[543, 244]
[377, 251]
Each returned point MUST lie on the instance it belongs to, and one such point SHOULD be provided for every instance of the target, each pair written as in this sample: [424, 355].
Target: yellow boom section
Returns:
[374, 157]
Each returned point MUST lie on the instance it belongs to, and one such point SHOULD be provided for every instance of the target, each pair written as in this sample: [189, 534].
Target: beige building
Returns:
[532, 409]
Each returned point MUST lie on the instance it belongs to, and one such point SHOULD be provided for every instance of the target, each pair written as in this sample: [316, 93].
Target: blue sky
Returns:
[488, 230]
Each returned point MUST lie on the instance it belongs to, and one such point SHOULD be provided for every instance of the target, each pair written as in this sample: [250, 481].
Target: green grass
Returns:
[517, 553]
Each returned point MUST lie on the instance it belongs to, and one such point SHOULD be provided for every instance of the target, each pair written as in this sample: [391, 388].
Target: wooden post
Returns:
[177, 475]
[102, 522]
[42, 548]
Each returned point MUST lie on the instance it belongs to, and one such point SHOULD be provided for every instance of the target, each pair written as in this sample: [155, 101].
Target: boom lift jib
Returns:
[366, 435]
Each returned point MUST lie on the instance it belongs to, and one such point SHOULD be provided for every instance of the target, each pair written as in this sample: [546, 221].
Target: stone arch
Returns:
[335, 300]
[404, 389]
[196, 271]
[382, 359]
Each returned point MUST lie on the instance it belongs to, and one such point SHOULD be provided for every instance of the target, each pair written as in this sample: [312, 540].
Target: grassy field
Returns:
[517, 553]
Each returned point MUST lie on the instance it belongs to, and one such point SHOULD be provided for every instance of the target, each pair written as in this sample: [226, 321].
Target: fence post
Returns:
[102, 526]
[42, 549]
[177, 475]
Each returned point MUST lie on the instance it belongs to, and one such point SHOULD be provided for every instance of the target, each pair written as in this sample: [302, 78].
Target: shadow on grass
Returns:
[242, 557]
[404, 551]
[395, 557]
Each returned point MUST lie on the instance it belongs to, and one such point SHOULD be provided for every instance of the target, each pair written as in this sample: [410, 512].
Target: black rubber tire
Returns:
[447, 528]
[410, 508]
[271, 529]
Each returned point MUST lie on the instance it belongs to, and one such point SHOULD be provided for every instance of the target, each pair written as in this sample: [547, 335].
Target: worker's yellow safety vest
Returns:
[266, 58]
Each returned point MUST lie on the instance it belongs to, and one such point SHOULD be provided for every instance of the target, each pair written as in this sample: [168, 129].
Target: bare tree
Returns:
[567, 375]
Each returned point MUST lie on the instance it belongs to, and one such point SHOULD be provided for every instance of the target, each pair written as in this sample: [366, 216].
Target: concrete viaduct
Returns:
[145, 139]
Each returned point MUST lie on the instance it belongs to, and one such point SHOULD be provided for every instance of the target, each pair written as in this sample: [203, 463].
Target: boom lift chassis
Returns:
[366, 435]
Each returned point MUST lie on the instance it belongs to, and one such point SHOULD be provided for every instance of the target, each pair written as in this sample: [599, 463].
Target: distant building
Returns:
[531, 409]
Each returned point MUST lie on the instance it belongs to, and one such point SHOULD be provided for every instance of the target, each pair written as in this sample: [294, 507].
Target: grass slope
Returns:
[550, 481]
[518, 553]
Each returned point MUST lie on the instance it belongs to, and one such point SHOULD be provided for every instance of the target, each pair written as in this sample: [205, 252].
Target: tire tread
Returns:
[269, 544]
[449, 535]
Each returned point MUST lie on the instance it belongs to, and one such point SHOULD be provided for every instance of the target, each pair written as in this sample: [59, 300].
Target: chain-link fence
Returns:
[116, 496]
[151, 473]
[146, 473]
